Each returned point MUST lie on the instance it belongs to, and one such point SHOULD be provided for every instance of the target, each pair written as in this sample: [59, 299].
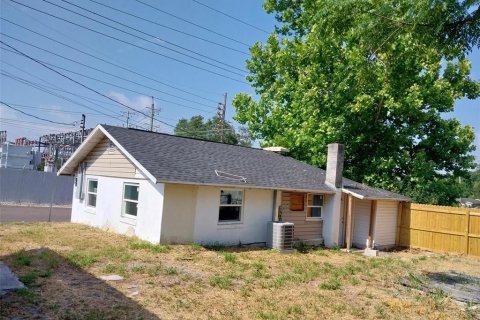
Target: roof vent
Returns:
[279, 150]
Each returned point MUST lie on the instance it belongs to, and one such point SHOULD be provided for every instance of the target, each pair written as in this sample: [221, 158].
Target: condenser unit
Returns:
[280, 235]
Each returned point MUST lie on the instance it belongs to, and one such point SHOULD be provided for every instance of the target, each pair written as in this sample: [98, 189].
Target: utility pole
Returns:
[128, 117]
[221, 109]
[82, 127]
[152, 113]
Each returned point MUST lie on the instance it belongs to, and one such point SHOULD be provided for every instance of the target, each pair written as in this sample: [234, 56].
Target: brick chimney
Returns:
[335, 157]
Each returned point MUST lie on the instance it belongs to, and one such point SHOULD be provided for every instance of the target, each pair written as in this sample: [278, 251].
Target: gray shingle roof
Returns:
[371, 192]
[177, 159]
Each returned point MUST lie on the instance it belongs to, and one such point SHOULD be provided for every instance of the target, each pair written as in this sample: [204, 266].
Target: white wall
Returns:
[361, 222]
[257, 211]
[179, 207]
[386, 224]
[108, 212]
[332, 219]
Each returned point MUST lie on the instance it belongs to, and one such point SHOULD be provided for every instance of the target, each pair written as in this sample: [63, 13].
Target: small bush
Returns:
[171, 271]
[26, 294]
[22, 259]
[223, 282]
[30, 278]
[332, 284]
[81, 259]
[230, 257]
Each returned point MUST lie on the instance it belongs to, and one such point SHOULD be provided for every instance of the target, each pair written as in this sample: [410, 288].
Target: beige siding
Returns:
[106, 160]
[361, 222]
[386, 224]
[178, 213]
[304, 230]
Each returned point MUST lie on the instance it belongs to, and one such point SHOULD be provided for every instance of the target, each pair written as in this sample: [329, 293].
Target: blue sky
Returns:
[181, 89]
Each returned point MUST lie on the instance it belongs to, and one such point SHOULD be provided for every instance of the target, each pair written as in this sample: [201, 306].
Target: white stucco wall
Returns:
[332, 220]
[179, 207]
[257, 211]
[108, 212]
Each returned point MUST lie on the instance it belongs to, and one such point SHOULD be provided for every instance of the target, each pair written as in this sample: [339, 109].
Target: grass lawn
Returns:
[61, 264]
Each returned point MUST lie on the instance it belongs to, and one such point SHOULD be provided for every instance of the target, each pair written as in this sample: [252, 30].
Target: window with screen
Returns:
[231, 202]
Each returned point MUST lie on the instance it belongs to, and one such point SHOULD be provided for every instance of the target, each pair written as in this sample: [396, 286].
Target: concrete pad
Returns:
[8, 280]
[370, 252]
[112, 277]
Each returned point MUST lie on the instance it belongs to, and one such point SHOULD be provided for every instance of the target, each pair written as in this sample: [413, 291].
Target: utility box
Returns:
[280, 235]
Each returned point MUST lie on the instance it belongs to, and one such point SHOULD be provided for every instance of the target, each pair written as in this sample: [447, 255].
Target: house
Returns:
[468, 202]
[169, 189]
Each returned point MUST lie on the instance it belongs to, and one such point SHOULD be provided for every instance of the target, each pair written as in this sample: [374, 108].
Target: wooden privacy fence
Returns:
[439, 228]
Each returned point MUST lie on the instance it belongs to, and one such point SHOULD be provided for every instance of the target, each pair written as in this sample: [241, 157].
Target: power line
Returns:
[55, 110]
[39, 87]
[170, 28]
[105, 72]
[133, 45]
[39, 128]
[147, 34]
[115, 85]
[56, 88]
[230, 16]
[34, 116]
[193, 23]
[81, 84]
[108, 62]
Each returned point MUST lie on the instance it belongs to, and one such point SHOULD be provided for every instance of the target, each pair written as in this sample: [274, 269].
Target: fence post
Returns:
[467, 232]
[399, 222]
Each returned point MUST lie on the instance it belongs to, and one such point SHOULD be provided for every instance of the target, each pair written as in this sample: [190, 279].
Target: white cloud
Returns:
[139, 102]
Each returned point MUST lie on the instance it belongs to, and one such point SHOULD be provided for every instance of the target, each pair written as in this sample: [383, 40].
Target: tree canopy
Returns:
[198, 127]
[379, 77]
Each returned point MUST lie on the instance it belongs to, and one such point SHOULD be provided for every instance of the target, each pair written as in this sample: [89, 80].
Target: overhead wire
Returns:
[170, 28]
[230, 16]
[192, 23]
[56, 88]
[132, 44]
[109, 62]
[119, 86]
[34, 116]
[83, 85]
[147, 34]
[41, 88]
[106, 56]
[105, 72]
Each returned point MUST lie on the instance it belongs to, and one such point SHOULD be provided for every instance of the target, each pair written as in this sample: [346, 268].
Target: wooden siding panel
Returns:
[361, 221]
[386, 223]
[304, 230]
[107, 161]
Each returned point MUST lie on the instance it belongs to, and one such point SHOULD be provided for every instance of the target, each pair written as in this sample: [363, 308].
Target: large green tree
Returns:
[375, 75]
[200, 128]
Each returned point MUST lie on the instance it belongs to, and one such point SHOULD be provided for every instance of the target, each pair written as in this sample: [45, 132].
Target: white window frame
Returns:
[314, 206]
[124, 214]
[240, 220]
[88, 192]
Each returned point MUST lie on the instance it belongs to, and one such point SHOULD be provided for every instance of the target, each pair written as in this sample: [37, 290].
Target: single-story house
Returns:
[170, 189]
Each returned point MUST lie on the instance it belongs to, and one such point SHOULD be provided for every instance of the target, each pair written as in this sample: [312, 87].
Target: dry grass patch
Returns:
[62, 264]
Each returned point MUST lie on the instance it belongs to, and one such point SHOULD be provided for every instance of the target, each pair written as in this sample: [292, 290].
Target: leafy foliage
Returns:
[378, 76]
[198, 128]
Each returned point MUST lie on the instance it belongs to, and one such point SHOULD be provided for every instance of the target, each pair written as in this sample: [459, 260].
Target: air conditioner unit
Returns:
[280, 235]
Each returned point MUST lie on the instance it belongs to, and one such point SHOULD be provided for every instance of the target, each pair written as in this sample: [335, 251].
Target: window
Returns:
[230, 206]
[130, 199]
[314, 206]
[92, 193]
[296, 202]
